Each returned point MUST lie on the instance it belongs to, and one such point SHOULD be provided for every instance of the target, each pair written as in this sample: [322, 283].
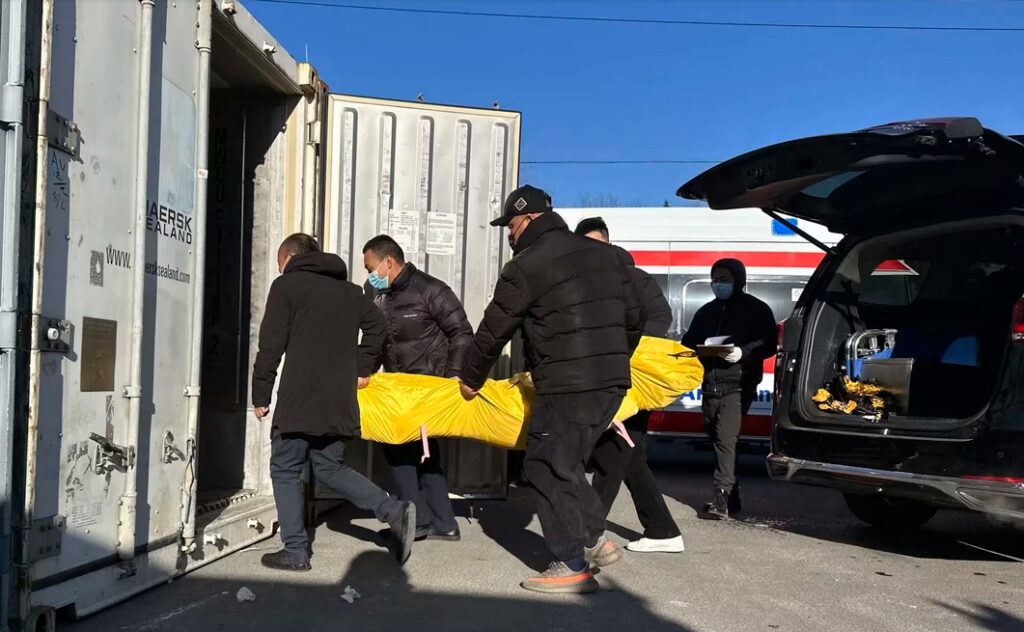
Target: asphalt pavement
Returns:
[796, 561]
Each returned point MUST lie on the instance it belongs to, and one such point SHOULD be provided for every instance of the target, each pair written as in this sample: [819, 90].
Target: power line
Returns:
[663, 22]
[620, 162]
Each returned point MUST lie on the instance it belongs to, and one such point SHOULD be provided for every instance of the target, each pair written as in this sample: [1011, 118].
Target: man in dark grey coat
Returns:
[426, 332]
[313, 316]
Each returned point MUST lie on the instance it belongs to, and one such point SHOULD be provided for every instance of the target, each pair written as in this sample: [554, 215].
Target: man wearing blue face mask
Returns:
[426, 333]
[731, 378]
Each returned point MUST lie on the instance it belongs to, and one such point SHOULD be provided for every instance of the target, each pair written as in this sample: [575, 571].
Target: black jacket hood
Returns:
[325, 263]
[736, 267]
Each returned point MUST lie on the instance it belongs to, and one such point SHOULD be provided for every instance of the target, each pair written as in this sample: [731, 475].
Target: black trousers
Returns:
[564, 428]
[422, 483]
[723, 414]
[614, 462]
[288, 457]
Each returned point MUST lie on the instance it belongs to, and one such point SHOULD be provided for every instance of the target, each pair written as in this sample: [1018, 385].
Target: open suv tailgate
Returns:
[901, 173]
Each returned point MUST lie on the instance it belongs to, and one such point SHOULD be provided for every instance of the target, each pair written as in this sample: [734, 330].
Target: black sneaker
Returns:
[430, 533]
[735, 506]
[285, 561]
[718, 508]
[403, 527]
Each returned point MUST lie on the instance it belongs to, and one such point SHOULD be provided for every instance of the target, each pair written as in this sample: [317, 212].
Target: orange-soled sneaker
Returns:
[559, 579]
[604, 553]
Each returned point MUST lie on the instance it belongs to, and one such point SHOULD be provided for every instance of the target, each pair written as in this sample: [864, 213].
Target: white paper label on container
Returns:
[442, 231]
[405, 229]
[86, 512]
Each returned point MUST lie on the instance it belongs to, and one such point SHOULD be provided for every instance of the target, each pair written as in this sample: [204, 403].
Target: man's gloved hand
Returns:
[734, 356]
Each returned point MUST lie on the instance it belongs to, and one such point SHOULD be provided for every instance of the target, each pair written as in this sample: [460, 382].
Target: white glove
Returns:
[734, 356]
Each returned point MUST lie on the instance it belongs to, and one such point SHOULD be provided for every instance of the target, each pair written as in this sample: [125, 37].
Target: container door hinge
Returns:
[10, 324]
[313, 131]
[12, 104]
[45, 537]
[55, 335]
[63, 134]
[110, 456]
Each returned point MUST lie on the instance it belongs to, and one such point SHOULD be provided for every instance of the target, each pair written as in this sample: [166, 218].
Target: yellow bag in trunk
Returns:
[394, 405]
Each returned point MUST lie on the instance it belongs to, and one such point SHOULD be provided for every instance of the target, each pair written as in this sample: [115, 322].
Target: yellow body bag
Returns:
[395, 405]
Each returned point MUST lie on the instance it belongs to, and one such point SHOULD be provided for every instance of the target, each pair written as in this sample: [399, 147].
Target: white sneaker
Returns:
[648, 545]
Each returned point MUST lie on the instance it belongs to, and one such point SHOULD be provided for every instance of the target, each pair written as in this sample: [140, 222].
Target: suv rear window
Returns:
[894, 282]
[961, 268]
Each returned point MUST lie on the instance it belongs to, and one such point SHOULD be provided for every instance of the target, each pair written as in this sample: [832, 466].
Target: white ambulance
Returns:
[677, 246]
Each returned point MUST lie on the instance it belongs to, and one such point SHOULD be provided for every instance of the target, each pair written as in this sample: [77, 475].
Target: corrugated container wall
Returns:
[432, 177]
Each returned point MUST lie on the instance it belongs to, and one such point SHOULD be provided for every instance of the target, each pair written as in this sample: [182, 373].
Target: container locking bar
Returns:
[110, 456]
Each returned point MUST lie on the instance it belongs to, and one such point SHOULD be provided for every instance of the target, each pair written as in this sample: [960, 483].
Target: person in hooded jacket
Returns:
[730, 380]
[614, 461]
[313, 316]
[579, 316]
[426, 333]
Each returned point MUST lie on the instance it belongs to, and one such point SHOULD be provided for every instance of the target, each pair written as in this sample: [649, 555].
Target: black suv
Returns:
[922, 298]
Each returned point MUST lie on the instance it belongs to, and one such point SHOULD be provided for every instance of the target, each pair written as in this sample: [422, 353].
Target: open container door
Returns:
[431, 176]
[173, 139]
[12, 133]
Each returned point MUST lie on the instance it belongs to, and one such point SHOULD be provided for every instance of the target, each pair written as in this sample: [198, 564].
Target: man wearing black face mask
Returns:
[730, 380]
[579, 316]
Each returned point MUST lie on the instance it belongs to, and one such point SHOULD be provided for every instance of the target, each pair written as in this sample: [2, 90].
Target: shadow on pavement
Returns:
[506, 523]
[988, 617]
[388, 602]
[821, 513]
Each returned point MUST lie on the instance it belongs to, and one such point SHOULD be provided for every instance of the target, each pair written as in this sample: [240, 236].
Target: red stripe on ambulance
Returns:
[752, 259]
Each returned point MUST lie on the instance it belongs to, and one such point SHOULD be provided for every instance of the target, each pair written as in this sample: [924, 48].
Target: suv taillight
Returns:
[782, 326]
[1017, 328]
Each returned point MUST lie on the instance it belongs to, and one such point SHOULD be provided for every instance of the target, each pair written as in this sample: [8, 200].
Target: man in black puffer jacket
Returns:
[578, 313]
[426, 333]
[313, 317]
[730, 381]
[614, 461]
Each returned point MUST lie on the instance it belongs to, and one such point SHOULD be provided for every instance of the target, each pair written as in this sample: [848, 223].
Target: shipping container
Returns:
[153, 154]
[432, 177]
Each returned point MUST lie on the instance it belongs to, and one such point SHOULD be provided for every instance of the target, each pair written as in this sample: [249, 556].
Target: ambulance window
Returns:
[894, 282]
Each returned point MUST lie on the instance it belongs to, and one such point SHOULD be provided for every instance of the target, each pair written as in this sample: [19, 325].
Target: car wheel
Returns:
[889, 513]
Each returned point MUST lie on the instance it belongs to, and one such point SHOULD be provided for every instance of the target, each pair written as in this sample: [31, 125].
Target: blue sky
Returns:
[614, 91]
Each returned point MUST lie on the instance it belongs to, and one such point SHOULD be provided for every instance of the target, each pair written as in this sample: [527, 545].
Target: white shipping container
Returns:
[433, 177]
[153, 154]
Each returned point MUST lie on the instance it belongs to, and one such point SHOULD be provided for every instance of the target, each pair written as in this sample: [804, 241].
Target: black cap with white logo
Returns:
[525, 200]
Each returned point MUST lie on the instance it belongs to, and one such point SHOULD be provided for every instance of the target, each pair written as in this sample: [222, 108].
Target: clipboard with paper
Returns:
[715, 347]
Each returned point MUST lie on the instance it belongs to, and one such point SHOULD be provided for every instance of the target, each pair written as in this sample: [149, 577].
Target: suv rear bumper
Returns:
[1004, 499]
